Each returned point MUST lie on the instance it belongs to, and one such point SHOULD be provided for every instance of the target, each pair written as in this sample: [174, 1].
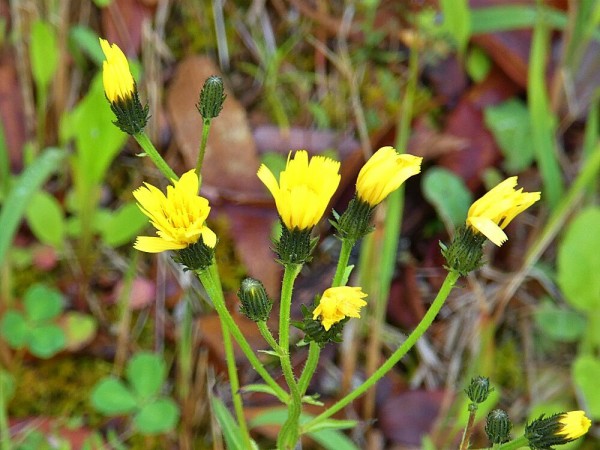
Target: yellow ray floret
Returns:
[179, 217]
[383, 173]
[337, 303]
[495, 210]
[116, 76]
[304, 188]
[574, 424]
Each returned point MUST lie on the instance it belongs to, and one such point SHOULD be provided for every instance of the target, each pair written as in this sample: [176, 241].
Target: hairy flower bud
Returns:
[256, 304]
[498, 426]
[212, 98]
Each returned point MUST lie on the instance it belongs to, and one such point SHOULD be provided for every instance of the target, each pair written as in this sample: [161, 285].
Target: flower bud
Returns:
[544, 432]
[212, 98]
[294, 246]
[479, 389]
[256, 304]
[498, 426]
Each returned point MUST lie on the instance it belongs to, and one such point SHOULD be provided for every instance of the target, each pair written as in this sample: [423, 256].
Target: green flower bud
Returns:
[356, 220]
[479, 389]
[195, 257]
[212, 98]
[498, 426]
[256, 304]
[465, 252]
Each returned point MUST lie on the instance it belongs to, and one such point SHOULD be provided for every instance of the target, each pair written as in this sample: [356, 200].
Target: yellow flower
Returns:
[304, 188]
[383, 173]
[574, 425]
[337, 303]
[118, 81]
[179, 217]
[495, 210]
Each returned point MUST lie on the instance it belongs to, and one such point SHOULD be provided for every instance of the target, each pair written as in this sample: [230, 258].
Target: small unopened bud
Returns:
[479, 389]
[212, 98]
[498, 426]
[256, 304]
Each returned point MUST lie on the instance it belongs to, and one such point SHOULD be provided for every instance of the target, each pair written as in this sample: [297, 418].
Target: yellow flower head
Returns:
[337, 303]
[383, 173]
[179, 217]
[574, 425]
[304, 189]
[118, 81]
[495, 210]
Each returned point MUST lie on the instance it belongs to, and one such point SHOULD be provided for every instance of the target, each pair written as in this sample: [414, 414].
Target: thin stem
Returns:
[205, 129]
[4, 430]
[314, 349]
[423, 325]
[209, 278]
[347, 245]
[289, 276]
[234, 382]
[464, 443]
[288, 436]
[515, 444]
[312, 360]
[150, 150]
[268, 336]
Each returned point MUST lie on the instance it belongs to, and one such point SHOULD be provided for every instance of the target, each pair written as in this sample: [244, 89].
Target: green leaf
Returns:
[42, 303]
[333, 424]
[46, 219]
[45, 341]
[97, 139]
[559, 324]
[111, 397]
[586, 373]
[448, 194]
[578, 261]
[123, 225]
[84, 39]
[23, 189]
[160, 416]
[43, 53]
[146, 373]
[13, 328]
[333, 440]
[457, 21]
[79, 329]
[509, 123]
[263, 388]
[231, 430]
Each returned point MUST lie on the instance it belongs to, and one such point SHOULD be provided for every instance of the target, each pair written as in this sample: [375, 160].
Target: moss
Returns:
[58, 387]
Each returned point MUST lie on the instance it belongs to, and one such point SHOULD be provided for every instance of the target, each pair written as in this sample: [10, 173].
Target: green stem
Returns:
[205, 129]
[515, 444]
[234, 382]
[314, 350]
[151, 151]
[268, 336]
[210, 280]
[426, 321]
[5, 443]
[288, 436]
[466, 437]
[347, 245]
